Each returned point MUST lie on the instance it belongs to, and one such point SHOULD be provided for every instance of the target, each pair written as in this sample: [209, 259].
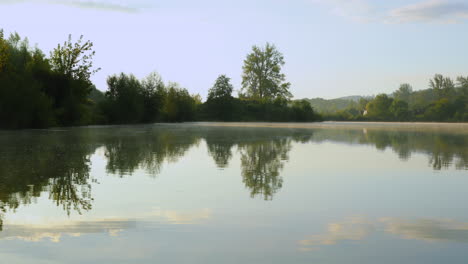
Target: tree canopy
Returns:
[221, 89]
[262, 77]
[74, 59]
[444, 101]
[35, 93]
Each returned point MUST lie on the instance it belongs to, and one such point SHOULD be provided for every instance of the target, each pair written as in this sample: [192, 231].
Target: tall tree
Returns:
[463, 85]
[219, 105]
[404, 92]
[379, 108]
[74, 59]
[221, 89]
[3, 51]
[399, 110]
[442, 86]
[124, 102]
[262, 77]
[154, 91]
[73, 67]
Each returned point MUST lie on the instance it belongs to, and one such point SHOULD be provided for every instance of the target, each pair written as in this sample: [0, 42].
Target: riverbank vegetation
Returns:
[39, 91]
[445, 100]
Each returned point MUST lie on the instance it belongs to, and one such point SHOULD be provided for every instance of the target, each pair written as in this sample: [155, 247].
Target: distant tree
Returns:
[222, 88]
[379, 108]
[463, 85]
[404, 92]
[440, 110]
[399, 110]
[96, 96]
[220, 101]
[153, 91]
[3, 51]
[179, 105]
[442, 86]
[462, 81]
[262, 77]
[124, 102]
[14, 40]
[460, 106]
[302, 111]
[362, 103]
[197, 99]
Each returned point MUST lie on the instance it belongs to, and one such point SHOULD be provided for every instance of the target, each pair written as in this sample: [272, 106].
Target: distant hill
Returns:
[332, 105]
[96, 95]
[354, 98]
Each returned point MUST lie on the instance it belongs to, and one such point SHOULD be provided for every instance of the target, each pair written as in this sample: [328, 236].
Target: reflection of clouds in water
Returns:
[359, 228]
[181, 218]
[352, 229]
[36, 232]
[428, 230]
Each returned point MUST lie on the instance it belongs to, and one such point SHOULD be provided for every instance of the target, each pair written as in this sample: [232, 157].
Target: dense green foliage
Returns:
[328, 106]
[36, 92]
[444, 101]
[222, 106]
[130, 100]
[262, 77]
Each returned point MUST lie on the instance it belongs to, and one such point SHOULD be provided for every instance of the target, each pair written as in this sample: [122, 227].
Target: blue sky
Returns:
[332, 48]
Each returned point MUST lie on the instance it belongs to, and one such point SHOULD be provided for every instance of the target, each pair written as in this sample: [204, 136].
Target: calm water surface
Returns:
[235, 193]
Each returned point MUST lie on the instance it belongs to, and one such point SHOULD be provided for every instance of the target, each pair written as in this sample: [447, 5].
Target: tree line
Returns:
[445, 100]
[39, 91]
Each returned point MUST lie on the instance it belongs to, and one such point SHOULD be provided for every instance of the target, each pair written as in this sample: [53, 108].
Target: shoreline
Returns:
[415, 126]
[460, 127]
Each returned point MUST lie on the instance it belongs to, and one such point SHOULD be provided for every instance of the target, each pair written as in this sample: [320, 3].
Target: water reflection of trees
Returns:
[443, 149]
[146, 149]
[58, 162]
[45, 161]
[261, 164]
[263, 154]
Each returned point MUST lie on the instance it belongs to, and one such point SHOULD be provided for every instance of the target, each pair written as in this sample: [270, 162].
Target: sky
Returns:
[332, 48]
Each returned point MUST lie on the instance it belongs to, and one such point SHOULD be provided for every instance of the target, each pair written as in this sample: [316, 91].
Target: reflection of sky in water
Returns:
[359, 228]
[198, 196]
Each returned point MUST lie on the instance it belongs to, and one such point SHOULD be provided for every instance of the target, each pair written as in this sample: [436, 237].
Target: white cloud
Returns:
[96, 5]
[356, 10]
[439, 11]
[430, 11]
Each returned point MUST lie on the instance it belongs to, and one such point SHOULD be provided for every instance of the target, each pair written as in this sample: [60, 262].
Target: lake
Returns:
[235, 193]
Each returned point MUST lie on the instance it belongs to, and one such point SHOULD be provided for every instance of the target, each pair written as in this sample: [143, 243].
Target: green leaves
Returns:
[3, 52]
[442, 86]
[221, 89]
[130, 100]
[74, 59]
[262, 77]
